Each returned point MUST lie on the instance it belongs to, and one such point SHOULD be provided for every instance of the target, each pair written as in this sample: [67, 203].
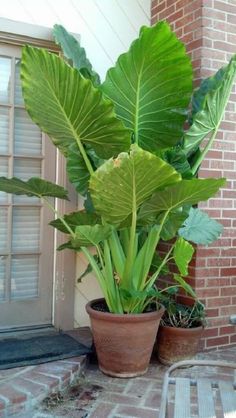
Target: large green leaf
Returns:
[68, 107]
[183, 252]
[120, 186]
[209, 105]
[87, 235]
[151, 86]
[75, 53]
[200, 228]
[77, 170]
[75, 219]
[33, 187]
[185, 192]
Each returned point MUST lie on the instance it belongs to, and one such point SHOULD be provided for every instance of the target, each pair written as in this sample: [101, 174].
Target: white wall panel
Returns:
[106, 29]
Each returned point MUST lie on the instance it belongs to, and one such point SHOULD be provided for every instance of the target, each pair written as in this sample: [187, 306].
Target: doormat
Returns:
[17, 352]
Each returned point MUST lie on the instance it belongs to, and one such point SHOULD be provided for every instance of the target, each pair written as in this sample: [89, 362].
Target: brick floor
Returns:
[98, 396]
[66, 389]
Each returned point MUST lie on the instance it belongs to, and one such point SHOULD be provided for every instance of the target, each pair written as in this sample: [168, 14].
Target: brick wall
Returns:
[208, 29]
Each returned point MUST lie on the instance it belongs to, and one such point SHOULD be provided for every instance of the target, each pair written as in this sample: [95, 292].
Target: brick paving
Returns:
[98, 396]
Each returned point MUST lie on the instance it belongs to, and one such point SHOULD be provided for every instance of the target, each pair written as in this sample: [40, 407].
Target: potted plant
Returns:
[180, 330]
[128, 156]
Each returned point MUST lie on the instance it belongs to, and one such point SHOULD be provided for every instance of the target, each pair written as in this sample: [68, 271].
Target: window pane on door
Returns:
[17, 90]
[24, 277]
[27, 136]
[3, 229]
[4, 130]
[24, 168]
[25, 229]
[2, 277]
[5, 79]
[3, 172]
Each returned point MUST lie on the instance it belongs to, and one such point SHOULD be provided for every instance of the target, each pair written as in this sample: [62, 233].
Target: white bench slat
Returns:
[206, 407]
[182, 398]
[228, 399]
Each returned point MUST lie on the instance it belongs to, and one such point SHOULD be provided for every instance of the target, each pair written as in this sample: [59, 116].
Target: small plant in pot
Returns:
[128, 155]
[180, 329]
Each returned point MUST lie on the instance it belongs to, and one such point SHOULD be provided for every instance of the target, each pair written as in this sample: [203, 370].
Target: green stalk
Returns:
[97, 272]
[153, 278]
[84, 155]
[59, 217]
[132, 240]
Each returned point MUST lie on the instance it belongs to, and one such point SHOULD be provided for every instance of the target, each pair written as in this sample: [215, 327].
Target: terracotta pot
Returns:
[176, 344]
[123, 342]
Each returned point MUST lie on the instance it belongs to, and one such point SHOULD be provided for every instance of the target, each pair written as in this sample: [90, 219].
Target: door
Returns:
[26, 240]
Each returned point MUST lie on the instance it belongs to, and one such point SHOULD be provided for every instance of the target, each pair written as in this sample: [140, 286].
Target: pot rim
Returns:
[145, 316]
[183, 330]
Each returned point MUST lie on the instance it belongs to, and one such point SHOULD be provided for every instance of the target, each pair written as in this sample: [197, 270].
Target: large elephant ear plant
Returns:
[128, 155]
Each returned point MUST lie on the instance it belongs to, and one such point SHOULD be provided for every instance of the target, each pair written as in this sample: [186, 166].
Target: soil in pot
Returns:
[123, 342]
[176, 344]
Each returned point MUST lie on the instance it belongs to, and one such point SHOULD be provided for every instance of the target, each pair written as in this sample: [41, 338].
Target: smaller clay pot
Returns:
[176, 344]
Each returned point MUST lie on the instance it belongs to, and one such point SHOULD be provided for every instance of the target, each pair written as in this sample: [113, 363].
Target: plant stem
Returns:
[84, 155]
[131, 249]
[59, 217]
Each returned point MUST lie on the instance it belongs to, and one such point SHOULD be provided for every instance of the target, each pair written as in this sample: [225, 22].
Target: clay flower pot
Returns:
[176, 344]
[123, 342]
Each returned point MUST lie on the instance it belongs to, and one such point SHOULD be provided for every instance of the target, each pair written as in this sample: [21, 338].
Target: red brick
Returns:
[222, 5]
[213, 342]
[134, 412]
[229, 271]
[13, 395]
[103, 410]
[222, 301]
[231, 18]
[211, 332]
[230, 329]
[51, 382]
[218, 282]
[212, 313]
[218, 262]
[204, 293]
[228, 291]
[34, 389]
[227, 310]
[216, 322]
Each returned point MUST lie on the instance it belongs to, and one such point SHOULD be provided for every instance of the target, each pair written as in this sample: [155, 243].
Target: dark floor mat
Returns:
[17, 352]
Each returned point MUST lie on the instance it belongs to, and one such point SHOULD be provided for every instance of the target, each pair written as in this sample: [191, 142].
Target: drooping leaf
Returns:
[209, 105]
[32, 187]
[89, 269]
[151, 86]
[120, 186]
[75, 219]
[200, 228]
[185, 192]
[68, 107]
[73, 51]
[77, 170]
[183, 252]
[188, 289]
[87, 235]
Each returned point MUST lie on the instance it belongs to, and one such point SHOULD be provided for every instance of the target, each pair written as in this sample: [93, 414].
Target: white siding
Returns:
[106, 29]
